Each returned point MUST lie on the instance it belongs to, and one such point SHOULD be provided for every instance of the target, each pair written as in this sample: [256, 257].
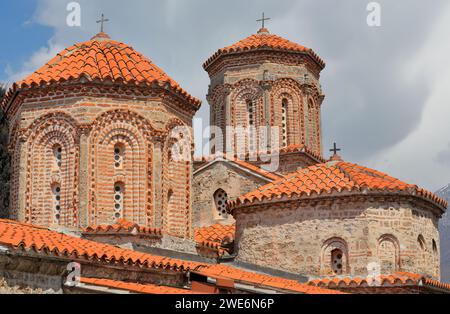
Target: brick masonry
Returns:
[87, 122]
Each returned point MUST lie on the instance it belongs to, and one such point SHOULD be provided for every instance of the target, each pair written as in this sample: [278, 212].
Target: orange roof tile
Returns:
[263, 40]
[43, 241]
[396, 279]
[259, 170]
[215, 236]
[334, 176]
[28, 237]
[239, 162]
[135, 287]
[101, 59]
[260, 280]
[122, 226]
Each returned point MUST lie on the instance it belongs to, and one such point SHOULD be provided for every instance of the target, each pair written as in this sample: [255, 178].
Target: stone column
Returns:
[305, 114]
[83, 187]
[22, 180]
[228, 142]
[267, 87]
[157, 183]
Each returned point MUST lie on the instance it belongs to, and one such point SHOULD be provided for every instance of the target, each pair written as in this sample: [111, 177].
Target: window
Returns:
[421, 242]
[434, 245]
[57, 153]
[118, 200]
[334, 258]
[284, 110]
[56, 193]
[251, 125]
[250, 112]
[337, 261]
[118, 156]
[220, 200]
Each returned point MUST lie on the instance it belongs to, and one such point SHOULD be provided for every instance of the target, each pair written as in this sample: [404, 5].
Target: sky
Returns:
[387, 87]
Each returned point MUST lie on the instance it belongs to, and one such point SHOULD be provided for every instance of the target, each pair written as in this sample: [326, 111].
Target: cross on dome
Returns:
[262, 20]
[101, 22]
[335, 150]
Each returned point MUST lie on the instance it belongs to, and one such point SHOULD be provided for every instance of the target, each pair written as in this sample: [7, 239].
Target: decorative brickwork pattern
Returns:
[47, 132]
[266, 85]
[133, 133]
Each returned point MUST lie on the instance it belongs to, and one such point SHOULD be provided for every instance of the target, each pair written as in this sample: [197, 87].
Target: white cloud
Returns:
[37, 60]
[382, 114]
[424, 156]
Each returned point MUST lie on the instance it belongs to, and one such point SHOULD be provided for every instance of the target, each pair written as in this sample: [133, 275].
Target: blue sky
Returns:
[387, 96]
[20, 36]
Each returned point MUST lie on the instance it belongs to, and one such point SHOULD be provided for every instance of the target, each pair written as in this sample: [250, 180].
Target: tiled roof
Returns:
[238, 162]
[263, 40]
[135, 287]
[396, 279]
[101, 59]
[334, 176]
[215, 236]
[122, 226]
[44, 241]
[260, 280]
[20, 236]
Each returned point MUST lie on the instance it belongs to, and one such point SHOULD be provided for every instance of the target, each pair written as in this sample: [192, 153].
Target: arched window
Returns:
[56, 193]
[434, 246]
[119, 189]
[57, 154]
[284, 122]
[119, 150]
[337, 261]
[220, 202]
[334, 257]
[421, 242]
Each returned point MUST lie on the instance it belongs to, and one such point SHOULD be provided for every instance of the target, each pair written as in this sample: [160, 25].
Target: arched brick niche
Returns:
[177, 176]
[52, 171]
[121, 155]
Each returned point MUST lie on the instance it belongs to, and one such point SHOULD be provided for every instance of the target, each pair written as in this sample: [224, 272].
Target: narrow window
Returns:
[220, 201]
[251, 124]
[250, 113]
[435, 249]
[57, 154]
[118, 156]
[284, 110]
[56, 193]
[118, 199]
[421, 242]
[337, 261]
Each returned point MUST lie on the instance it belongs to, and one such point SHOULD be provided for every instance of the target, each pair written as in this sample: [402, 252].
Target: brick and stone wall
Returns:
[267, 85]
[301, 236]
[220, 175]
[86, 123]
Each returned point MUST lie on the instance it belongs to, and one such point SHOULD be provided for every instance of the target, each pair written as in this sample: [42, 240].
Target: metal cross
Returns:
[263, 20]
[102, 21]
[335, 150]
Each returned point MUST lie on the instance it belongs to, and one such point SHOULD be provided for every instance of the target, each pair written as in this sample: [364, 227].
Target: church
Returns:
[98, 188]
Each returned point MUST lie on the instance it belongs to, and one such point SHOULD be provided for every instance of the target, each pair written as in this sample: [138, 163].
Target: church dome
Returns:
[101, 59]
[263, 40]
[335, 177]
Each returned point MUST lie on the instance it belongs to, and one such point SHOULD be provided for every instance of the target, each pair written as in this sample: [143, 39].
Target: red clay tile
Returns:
[334, 176]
